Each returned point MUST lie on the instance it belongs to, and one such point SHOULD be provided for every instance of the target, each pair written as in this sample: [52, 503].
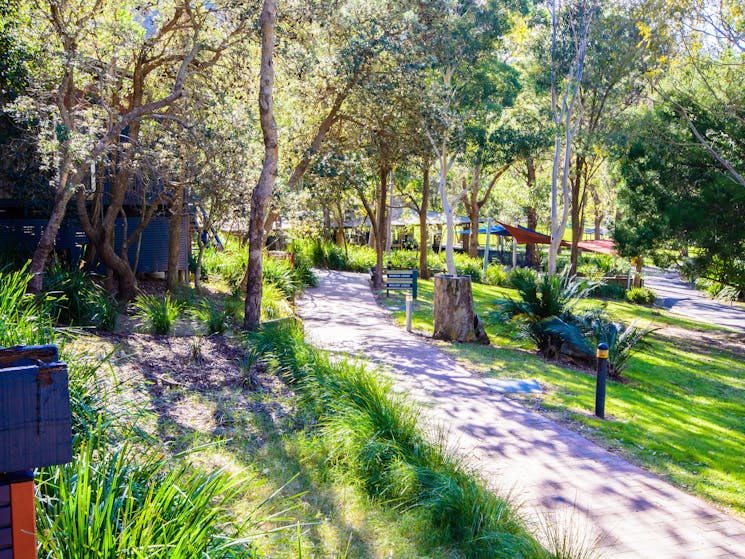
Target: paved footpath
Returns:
[678, 296]
[555, 473]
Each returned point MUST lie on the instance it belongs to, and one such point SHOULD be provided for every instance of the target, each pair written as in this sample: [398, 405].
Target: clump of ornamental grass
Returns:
[157, 314]
[375, 439]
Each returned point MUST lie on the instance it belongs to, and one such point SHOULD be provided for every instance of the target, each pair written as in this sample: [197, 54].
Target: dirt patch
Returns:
[195, 362]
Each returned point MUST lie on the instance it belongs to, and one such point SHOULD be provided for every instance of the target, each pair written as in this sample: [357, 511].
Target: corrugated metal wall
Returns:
[23, 235]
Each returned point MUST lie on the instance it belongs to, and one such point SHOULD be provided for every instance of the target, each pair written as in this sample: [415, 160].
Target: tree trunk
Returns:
[576, 210]
[454, 319]
[263, 190]
[599, 215]
[423, 232]
[380, 229]
[531, 254]
[389, 219]
[198, 267]
[174, 242]
[46, 242]
[474, 209]
[531, 213]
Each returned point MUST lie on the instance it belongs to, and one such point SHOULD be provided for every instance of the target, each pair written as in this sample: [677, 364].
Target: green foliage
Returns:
[585, 331]
[303, 270]
[403, 259]
[281, 274]
[641, 296]
[24, 319]
[126, 502]
[599, 265]
[541, 299]
[610, 291]
[274, 304]
[234, 305]
[467, 266]
[496, 274]
[374, 436]
[675, 195]
[157, 314]
[213, 318]
[77, 300]
[228, 264]
[325, 254]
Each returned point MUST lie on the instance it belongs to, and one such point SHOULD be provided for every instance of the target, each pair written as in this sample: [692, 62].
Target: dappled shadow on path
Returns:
[549, 466]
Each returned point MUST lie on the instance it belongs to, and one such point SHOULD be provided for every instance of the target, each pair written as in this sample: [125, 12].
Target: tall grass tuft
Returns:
[157, 314]
[214, 320]
[274, 303]
[123, 503]
[281, 274]
[375, 438]
[24, 319]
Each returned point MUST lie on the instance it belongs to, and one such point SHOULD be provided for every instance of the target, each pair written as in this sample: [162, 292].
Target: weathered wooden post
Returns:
[35, 431]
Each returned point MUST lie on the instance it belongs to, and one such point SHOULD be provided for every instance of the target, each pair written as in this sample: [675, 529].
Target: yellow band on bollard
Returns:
[602, 354]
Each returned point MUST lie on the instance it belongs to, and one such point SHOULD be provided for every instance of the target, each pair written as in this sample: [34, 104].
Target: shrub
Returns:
[273, 303]
[281, 274]
[77, 300]
[213, 318]
[610, 291]
[587, 330]
[228, 264]
[234, 305]
[467, 266]
[157, 314]
[641, 296]
[496, 274]
[542, 298]
[303, 270]
[403, 259]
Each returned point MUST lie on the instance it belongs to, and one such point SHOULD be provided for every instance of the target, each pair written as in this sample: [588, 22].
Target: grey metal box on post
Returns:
[35, 419]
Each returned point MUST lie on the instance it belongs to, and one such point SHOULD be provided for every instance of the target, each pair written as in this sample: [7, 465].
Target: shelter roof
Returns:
[602, 246]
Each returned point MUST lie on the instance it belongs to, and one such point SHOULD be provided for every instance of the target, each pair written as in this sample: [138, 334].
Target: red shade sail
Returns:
[524, 236]
[603, 246]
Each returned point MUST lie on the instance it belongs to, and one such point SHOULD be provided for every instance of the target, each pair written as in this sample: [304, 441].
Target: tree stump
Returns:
[454, 317]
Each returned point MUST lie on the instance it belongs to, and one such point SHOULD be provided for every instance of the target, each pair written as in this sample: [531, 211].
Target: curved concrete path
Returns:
[552, 471]
[678, 296]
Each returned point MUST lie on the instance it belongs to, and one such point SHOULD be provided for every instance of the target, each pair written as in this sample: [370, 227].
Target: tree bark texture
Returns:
[47, 240]
[454, 318]
[423, 232]
[174, 241]
[531, 213]
[262, 192]
[380, 229]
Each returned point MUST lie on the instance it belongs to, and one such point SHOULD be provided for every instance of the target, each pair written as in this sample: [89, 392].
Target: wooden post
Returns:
[35, 431]
[17, 519]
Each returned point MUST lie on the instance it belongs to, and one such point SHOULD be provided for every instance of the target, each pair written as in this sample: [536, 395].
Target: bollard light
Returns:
[602, 372]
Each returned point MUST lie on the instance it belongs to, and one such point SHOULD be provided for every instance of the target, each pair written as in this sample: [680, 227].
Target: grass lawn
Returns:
[681, 412]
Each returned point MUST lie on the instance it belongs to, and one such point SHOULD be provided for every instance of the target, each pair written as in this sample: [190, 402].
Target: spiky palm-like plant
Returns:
[541, 299]
[588, 330]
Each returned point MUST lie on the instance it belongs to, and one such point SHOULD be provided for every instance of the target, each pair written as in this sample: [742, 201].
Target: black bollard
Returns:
[602, 355]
